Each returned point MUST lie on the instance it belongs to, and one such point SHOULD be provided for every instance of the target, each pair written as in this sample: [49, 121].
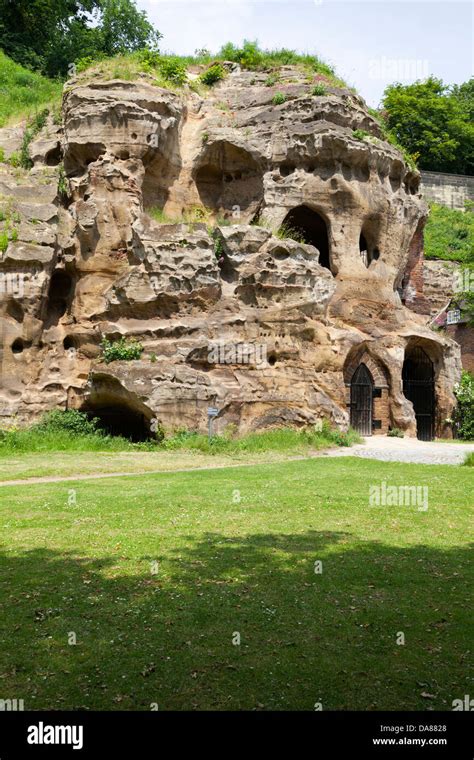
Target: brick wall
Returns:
[464, 335]
[413, 279]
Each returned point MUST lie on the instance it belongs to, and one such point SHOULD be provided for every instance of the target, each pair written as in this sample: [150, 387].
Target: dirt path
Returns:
[408, 450]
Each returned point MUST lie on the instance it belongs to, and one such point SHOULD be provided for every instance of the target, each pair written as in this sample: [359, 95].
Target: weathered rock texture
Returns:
[268, 328]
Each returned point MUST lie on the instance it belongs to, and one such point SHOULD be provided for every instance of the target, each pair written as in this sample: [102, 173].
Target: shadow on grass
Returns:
[305, 636]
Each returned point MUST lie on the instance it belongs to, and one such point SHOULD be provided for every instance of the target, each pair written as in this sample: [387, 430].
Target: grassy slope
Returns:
[449, 235]
[23, 92]
[227, 565]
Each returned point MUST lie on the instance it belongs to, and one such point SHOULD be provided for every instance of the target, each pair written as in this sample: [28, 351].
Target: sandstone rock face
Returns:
[264, 304]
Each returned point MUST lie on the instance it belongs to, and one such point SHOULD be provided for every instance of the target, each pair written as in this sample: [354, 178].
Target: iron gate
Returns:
[418, 387]
[362, 388]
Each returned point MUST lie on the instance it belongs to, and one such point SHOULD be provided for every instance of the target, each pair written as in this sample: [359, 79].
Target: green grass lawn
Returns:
[70, 463]
[235, 552]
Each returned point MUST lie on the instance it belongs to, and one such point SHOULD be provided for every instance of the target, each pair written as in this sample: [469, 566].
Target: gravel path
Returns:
[407, 450]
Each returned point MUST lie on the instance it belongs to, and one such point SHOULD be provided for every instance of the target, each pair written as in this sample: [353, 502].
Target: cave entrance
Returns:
[362, 394]
[59, 294]
[311, 228]
[119, 419]
[418, 387]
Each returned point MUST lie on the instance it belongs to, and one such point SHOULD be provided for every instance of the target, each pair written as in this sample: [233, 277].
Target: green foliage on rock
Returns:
[279, 98]
[319, 90]
[120, 350]
[213, 74]
[34, 125]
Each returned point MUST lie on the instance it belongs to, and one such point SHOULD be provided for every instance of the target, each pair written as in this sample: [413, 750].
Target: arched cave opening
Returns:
[229, 177]
[59, 294]
[117, 418]
[419, 387]
[311, 228]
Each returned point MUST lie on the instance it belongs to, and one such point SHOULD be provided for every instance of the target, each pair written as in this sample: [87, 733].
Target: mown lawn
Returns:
[234, 552]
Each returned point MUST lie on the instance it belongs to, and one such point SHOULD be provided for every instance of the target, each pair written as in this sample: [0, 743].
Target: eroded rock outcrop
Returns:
[284, 283]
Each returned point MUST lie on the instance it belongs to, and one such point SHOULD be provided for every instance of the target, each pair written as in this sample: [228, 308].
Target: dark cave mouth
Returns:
[120, 420]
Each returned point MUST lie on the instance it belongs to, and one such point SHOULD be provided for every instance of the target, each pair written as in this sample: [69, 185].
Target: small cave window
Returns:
[368, 252]
[364, 249]
[312, 229]
[18, 346]
[69, 342]
[59, 295]
[272, 359]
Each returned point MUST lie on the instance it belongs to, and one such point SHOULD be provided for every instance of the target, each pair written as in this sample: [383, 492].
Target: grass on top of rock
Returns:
[73, 430]
[24, 92]
[169, 70]
[192, 215]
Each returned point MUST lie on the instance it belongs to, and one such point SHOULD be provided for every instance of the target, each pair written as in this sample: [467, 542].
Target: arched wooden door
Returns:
[362, 394]
[418, 387]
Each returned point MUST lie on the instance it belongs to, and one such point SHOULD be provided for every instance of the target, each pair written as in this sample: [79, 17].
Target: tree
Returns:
[49, 35]
[124, 28]
[28, 27]
[434, 121]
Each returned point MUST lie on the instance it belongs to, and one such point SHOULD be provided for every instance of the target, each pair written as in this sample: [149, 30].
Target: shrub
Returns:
[396, 433]
[34, 125]
[278, 98]
[173, 70]
[249, 55]
[70, 420]
[120, 350]
[271, 80]
[2, 156]
[319, 89]
[286, 232]
[14, 159]
[360, 134]
[214, 74]
[463, 417]
[469, 461]
[63, 189]
[4, 240]
[87, 61]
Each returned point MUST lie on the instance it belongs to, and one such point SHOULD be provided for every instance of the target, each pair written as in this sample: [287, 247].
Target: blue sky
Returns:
[371, 43]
